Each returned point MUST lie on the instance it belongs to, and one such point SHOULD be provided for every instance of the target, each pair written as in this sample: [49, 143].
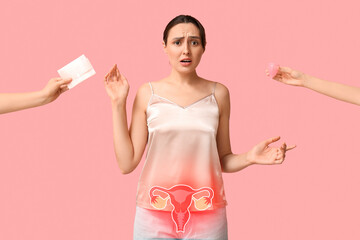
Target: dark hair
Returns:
[185, 19]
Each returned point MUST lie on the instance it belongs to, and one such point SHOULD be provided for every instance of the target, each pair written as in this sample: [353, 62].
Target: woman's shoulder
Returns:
[150, 86]
[143, 95]
[144, 88]
[144, 91]
[222, 96]
[221, 89]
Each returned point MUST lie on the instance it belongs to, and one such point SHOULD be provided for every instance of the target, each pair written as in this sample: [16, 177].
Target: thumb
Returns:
[64, 81]
[63, 89]
[123, 78]
[271, 140]
[285, 70]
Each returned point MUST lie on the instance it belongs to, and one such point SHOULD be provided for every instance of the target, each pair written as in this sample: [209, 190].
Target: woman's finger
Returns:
[271, 140]
[290, 148]
[113, 70]
[107, 77]
[118, 73]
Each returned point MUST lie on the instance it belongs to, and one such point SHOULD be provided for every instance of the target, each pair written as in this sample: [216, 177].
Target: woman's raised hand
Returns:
[263, 154]
[116, 85]
[289, 76]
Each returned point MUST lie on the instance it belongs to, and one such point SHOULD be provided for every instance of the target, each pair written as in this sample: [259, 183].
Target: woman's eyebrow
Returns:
[179, 38]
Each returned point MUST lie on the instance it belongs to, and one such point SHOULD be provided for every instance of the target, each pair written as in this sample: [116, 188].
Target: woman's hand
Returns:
[54, 88]
[116, 85]
[289, 76]
[263, 154]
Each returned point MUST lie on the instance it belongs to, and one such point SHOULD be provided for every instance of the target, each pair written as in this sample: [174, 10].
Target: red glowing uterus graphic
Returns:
[181, 197]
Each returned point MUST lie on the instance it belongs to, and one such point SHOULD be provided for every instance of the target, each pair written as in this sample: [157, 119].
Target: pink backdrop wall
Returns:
[58, 174]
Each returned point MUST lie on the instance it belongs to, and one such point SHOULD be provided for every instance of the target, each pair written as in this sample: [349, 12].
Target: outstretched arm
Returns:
[262, 153]
[10, 102]
[336, 90]
[129, 145]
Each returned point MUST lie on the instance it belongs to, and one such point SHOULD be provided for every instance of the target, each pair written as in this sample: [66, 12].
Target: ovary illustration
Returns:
[181, 197]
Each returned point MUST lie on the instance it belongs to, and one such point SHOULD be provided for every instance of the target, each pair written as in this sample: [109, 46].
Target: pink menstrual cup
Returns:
[273, 68]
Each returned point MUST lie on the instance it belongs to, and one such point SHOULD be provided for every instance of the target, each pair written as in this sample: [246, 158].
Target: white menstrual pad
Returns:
[79, 70]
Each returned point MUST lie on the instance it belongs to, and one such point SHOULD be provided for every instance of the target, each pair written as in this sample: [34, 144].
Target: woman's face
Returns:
[184, 47]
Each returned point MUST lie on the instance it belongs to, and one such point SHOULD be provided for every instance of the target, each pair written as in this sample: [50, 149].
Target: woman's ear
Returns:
[164, 47]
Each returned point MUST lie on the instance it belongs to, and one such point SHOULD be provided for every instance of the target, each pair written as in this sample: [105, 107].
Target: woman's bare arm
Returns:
[129, 144]
[259, 154]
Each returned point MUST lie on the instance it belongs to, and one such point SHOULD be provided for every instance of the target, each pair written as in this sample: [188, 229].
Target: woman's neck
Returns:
[181, 78]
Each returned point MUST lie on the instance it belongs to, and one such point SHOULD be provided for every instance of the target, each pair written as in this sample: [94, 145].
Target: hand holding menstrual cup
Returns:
[285, 75]
[272, 69]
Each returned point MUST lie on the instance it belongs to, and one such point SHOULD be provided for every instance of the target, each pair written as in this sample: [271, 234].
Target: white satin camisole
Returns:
[182, 152]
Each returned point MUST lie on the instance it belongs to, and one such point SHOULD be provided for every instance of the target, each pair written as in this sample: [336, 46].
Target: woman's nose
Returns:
[186, 49]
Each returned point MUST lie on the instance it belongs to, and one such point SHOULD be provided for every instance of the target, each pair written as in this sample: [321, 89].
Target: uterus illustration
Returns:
[181, 197]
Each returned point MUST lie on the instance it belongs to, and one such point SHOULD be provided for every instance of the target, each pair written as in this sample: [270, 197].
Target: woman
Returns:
[335, 90]
[184, 119]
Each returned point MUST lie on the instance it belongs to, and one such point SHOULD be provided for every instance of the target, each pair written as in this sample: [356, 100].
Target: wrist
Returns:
[42, 97]
[116, 104]
[248, 159]
[306, 81]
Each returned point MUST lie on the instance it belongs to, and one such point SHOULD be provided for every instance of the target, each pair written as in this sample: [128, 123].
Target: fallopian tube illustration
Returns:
[181, 197]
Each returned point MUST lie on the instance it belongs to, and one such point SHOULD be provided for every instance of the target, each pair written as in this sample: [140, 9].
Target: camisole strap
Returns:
[213, 92]
[152, 91]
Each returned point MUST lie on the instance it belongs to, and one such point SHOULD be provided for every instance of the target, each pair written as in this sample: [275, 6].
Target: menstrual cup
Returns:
[273, 69]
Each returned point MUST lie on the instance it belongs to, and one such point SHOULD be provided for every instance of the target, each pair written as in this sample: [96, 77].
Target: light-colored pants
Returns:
[155, 224]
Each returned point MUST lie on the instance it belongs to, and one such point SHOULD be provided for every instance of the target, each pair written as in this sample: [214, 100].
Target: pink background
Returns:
[58, 174]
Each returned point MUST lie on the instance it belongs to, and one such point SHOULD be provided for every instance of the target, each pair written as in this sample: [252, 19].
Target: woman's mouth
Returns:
[185, 62]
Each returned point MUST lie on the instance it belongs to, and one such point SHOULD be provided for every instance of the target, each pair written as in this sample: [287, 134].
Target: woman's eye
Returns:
[177, 43]
[194, 43]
